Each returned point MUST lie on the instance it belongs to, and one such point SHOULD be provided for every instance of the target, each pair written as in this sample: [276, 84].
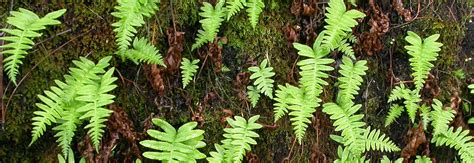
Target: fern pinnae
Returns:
[254, 8]
[281, 102]
[19, 40]
[253, 94]
[422, 52]
[394, 113]
[144, 52]
[188, 70]
[459, 140]
[213, 18]
[262, 76]
[351, 79]
[441, 118]
[234, 6]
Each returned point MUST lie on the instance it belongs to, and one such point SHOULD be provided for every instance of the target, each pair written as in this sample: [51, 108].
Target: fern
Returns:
[422, 52]
[472, 88]
[345, 156]
[458, 140]
[144, 52]
[422, 159]
[213, 17]
[351, 79]
[238, 140]
[339, 21]
[234, 6]
[28, 26]
[82, 96]
[374, 140]
[188, 70]
[395, 112]
[253, 94]
[130, 14]
[411, 99]
[173, 145]
[254, 8]
[440, 118]
[262, 77]
[346, 120]
[282, 102]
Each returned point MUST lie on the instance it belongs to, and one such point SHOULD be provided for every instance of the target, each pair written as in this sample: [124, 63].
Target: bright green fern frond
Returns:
[254, 8]
[188, 70]
[213, 17]
[458, 140]
[422, 159]
[345, 156]
[339, 21]
[217, 156]
[346, 121]
[411, 97]
[374, 140]
[346, 49]
[281, 102]
[149, 7]
[425, 116]
[19, 40]
[96, 94]
[65, 130]
[441, 118]
[301, 107]
[171, 145]
[351, 79]
[144, 52]
[394, 113]
[262, 77]
[422, 52]
[253, 94]
[234, 6]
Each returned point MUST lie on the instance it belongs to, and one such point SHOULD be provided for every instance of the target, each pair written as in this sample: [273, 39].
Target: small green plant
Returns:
[144, 52]
[28, 26]
[262, 76]
[238, 140]
[130, 14]
[171, 145]
[82, 96]
[254, 8]
[213, 18]
[422, 52]
[472, 88]
[188, 70]
[253, 95]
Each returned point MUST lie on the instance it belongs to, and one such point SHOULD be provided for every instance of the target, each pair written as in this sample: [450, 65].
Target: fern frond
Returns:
[441, 118]
[422, 159]
[394, 113]
[253, 94]
[472, 88]
[411, 97]
[345, 120]
[458, 140]
[144, 52]
[262, 77]
[346, 49]
[351, 79]
[254, 8]
[213, 17]
[19, 40]
[301, 108]
[130, 14]
[281, 102]
[174, 145]
[425, 116]
[422, 52]
[188, 70]
[96, 94]
[345, 156]
[234, 6]
[374, 140]
[65, 130]
[218, 155]
[339, 21]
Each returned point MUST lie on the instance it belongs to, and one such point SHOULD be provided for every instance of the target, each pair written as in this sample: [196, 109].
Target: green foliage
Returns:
[171, 145]
[262, 77]
[385, 159]
[19, 40]
[339, 21]
[411, 99]
[144, 52]
[130, 14]
[213, 17]
[70, 158]
[238, 140]
[282, 101]
[188, 70]
[254, 8]
[351, 79]
[253, 94]
[458, 140]
[422, 159]
[395, 112]
[83, 96]
[441, 118]
[472, 88]
[345, 156]
[234, 6]
[422, 52]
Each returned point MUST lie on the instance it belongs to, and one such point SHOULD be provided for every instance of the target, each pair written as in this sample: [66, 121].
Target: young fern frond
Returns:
[234, 6]
[171, 145]
[394, 113]
[422, 52]
[441, 118]
[374, 140]
[253, 94]
[144, 52]
[346, 121]
[281, 102]
[351, 79]
[81, 97]
[19, 40]
[339, 21]
[130, 14]
[188, 70]
[254, 8]
[213, 17]
[301, 108]
[238, 140]
[459, 140]
[262, 76]
[411, 99]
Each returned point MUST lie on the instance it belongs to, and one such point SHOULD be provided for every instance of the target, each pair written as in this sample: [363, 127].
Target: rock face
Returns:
[145, 91]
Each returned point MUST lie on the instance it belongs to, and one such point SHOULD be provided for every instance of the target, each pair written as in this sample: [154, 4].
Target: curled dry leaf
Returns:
[379, 23]
[155, 78]
[296, 7]
[251, 157]
[416, 138]
[291, 34]
[405, 13]
[173, 55]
